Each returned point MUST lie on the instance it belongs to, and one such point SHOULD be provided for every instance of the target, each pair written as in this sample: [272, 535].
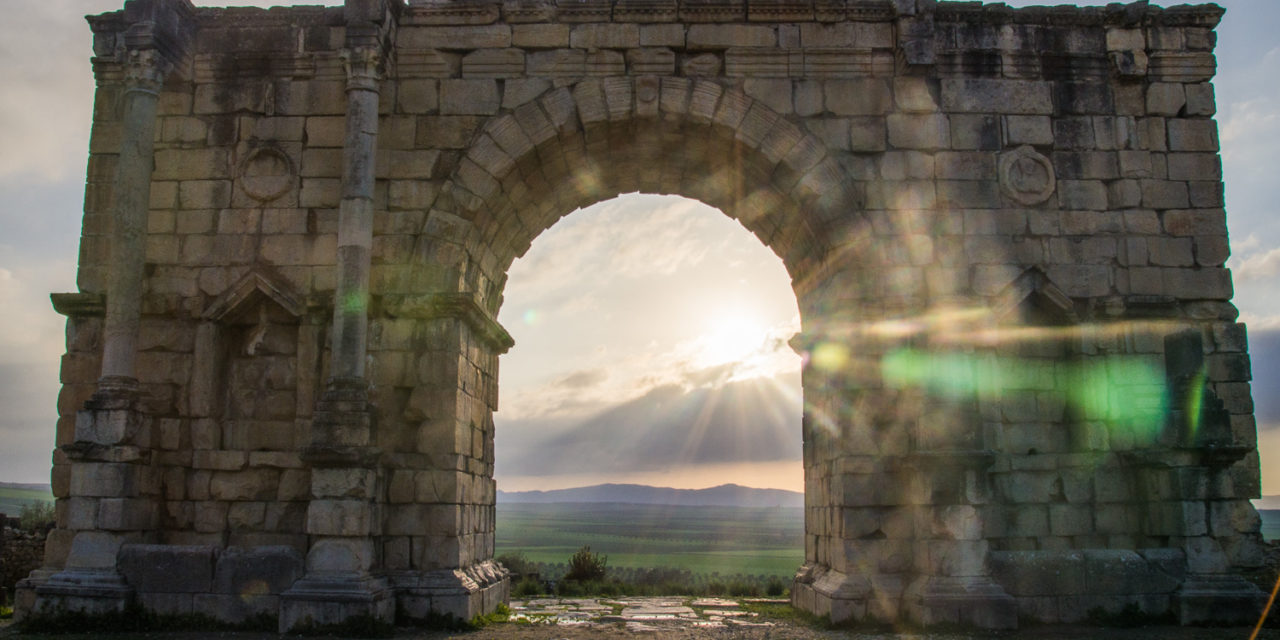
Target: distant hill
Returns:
[727, 495]
[1267, 502]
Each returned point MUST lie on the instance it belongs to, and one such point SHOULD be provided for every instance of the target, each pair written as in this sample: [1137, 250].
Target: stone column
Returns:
[343, 516]
[109, 502]
[144, 74]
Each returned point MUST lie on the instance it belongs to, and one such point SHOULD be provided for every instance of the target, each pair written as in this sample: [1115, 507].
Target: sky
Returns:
[636, 313]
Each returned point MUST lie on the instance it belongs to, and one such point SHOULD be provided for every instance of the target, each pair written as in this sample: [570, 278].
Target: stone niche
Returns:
[1007, 225]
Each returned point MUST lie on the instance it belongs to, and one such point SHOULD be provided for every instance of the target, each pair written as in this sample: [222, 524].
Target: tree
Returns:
[585, 565]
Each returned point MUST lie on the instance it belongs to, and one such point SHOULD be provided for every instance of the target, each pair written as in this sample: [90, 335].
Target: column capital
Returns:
[145, 70]
[363, 64]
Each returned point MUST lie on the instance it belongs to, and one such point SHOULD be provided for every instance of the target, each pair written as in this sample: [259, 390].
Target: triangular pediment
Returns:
[1034, 294]
[255, 285]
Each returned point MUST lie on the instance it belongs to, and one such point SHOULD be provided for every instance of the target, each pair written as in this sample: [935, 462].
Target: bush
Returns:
[776, 587]
[517, 564]
[527, 587]
[586, 566]
[36, 515]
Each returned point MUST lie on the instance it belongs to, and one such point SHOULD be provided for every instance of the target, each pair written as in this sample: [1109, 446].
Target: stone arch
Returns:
[965, 161]
[573, 146]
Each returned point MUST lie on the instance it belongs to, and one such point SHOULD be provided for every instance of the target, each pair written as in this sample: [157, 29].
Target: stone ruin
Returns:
[1027, 395]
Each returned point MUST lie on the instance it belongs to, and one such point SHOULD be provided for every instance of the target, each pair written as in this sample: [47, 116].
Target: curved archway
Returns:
[577, 145]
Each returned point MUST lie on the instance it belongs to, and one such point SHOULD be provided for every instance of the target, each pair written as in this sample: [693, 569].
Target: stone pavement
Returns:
[641, 613]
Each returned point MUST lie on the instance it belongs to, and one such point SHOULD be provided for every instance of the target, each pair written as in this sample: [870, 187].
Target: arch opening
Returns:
[651, 337]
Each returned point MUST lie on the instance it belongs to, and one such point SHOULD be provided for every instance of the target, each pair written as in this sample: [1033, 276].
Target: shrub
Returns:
[36, 515]
[776, 587]
[527, 587]
[517, 564]
[585, 565]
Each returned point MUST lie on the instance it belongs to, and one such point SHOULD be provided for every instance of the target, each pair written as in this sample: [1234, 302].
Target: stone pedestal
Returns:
[321, 599]
[835, 595]
[1219, 600]
[460, 593]
[342, 518]
[975, 601]
[110, 481]
[91, 591]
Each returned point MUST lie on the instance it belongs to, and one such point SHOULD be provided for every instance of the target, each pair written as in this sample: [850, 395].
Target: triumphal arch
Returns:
[1027, 395]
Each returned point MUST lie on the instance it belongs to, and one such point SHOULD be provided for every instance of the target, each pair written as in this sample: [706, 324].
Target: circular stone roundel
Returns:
[266, 174]
[1026, 177]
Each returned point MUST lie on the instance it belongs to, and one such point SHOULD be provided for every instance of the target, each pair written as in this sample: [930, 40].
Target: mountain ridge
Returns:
[725, 495]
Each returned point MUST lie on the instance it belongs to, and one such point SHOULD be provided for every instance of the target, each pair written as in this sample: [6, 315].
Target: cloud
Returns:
[1264, 351]
[669, 426]
[635, 237]
[1257, 266]
[583, 379]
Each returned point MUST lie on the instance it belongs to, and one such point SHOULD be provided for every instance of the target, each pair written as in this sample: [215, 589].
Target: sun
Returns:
[731, 338]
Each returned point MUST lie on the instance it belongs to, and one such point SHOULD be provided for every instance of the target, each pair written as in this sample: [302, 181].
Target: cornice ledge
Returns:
[451, 305]
[80, 305]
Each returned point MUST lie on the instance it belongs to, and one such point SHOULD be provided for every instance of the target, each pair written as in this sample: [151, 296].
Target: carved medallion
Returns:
[266, 174]
[1026, 177]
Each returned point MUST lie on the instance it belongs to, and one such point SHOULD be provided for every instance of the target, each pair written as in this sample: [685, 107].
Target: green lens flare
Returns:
[1127, 393]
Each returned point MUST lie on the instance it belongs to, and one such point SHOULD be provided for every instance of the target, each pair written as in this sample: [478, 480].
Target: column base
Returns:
[976, 601]
[91, 591]
[1218, 599]
[319, 600]
[24, 592]
[840, 597]
[461, 594]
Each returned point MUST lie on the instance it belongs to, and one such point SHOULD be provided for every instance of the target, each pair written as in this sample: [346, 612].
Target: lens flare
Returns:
[829, 356]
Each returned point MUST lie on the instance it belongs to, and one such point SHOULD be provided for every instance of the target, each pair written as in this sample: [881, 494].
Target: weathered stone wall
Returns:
[1005, 230]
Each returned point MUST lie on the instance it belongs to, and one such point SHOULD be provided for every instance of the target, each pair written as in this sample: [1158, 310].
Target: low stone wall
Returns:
[232, 585]
[20, 553]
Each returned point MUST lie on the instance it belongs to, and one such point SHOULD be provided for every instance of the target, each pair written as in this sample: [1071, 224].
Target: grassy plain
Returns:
[12, 499]
[704, 540]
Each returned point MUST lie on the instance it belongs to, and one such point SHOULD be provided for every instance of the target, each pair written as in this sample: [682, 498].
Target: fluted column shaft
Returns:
[144, 75]
[355, 217]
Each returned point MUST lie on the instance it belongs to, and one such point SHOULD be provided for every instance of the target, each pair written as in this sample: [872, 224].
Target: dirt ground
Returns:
[782, 630]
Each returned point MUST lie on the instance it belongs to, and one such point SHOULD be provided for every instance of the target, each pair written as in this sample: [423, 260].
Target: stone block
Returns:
[866, 135]
[863, 97]
[981, 95]
[158, 568]
[1166, 98]
[1165, 194]
[723, 36]
[1082, 195]
[1200, 100]
[249, 484]
[1192, 134]
[491, 36]
[334, 517]
[1033, 130]
[257, 571]
[343, 482]
[126, 514]
[540, 36]
[919, 131]
[605, 36]
[469, 97]
[975, 132]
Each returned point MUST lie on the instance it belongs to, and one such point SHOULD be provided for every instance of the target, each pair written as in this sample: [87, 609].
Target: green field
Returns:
[703, 540]
[12, 499]
[1270, 523]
